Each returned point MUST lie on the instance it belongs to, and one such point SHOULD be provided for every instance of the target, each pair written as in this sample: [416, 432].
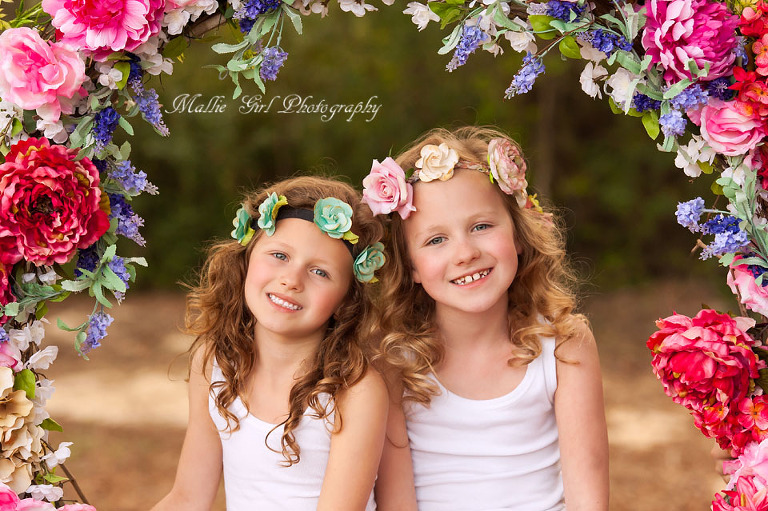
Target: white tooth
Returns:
[476, 276]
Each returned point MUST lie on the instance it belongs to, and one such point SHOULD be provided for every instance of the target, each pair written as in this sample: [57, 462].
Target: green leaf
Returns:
[125, 150]
[614, 107]
[109, 254]
[41, 310]
[112, 281]
[569, 47]
[125, 69]
[60, 323]
[17, 127]
[126, 125]
[11, 309]
[97, 291]
[25, 380]
[175, 47]
[448, 13]
[716, 188]
[294, 16]
[651, 123]
[53, 478]
[229, 48]
[79, 340]
[451, 40]
[541, 27]
[51, 425]
[706, 167]
[677, 88]
[75, 286]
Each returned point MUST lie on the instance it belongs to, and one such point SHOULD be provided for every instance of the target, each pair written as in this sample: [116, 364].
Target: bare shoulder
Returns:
[368, 393]
[580, 347]
[200, 367]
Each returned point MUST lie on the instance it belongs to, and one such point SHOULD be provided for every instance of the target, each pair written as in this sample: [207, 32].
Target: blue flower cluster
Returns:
[87, 259]
[471, 39]
[718, 88]
[524, 79]
[608, 42]
[673, 124]
[729, 237]
[97, 330]
[251, 10]
[133, 182]
[147, 100]
[692, 96]
[128, 222]
[117, 265]
[641, 102]
[274, 57]
[104, 125]
[689, 213]
[563, 10]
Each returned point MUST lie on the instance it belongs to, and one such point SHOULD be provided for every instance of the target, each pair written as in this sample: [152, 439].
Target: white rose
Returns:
[421, 15]
[622, 86]
[587, 79]
[436, 162]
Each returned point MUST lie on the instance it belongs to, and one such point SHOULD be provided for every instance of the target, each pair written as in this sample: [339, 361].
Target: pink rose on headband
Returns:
[508, 168]
[727, 129]
[385, 189]
[436, 162]
[742, 282]
[38, 75]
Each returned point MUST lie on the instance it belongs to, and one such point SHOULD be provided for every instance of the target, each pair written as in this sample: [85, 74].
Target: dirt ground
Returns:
[125, 408]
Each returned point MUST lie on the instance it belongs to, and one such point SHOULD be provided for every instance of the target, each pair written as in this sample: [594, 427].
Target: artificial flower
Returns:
[588, 77]
[741, 280]
[727, 130]
[49, 202]
[691, 154]
[746, 496]
[436, 162]
[268, 214]
[753, 462]
[420, 14]
[243, 231]
[508, 168]
[385, 189]
[6, 289]
[368, 261]
[622, 85]
[37, 75]
[334, 217]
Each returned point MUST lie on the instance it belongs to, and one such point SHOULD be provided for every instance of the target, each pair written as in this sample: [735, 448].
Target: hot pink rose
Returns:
[38, 75]
[34, 505]
[727, 129]
[508, 168]
[49, 201]
[105, 26]
[8, 498]
[705, 360]
[747, 496]
[742, 283]
[385, 189]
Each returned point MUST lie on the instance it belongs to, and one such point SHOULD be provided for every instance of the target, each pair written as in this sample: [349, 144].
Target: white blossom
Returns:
[689, 156]
[589, 52]
[47, 492]
[622, 88]
[356, 7]
[59, 456]
[43, 359]
[108, 75]
[524, 40]
[53, 130]
[49, 277]
[29, 334]
[588, 79]
[176, 20]
[421, 15]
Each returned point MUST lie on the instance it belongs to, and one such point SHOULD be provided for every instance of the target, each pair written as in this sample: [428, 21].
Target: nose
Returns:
[290, 278]
[465, 251]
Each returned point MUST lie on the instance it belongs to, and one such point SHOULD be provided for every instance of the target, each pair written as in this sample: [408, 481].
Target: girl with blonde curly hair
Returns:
[497, 386]
[282, 400]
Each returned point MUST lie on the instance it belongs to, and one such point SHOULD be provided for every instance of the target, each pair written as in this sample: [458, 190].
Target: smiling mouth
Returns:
[282, 303]
[467, 279]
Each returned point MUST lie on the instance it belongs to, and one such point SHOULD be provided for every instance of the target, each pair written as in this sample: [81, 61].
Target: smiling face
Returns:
[461, 243]
[296, 280]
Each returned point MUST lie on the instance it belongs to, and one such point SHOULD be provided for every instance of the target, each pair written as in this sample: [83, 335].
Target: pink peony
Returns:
[49, 202]
[680, 30]
[705, 360]
[6, 293]
[753, 462]
[36, 75]
[728, 129]
[742, 282]
[508, 168]
[105, 26]
[385, 189]
[8, 498]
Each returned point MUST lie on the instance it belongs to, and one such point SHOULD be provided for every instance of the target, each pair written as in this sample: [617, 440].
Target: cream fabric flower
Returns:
[436, 162]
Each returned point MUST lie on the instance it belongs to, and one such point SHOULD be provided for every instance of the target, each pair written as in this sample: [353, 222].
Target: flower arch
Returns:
[71, 74]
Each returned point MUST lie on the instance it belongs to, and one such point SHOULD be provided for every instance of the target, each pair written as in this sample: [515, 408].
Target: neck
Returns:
[279, 357]
[473, 330]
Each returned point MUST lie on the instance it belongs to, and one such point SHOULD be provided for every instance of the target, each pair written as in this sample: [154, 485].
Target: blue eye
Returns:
[436, 240]
[481, 227]
[320, 273]
[280, 255]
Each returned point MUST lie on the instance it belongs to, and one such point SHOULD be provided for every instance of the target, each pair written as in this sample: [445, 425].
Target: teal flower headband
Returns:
[330, 215]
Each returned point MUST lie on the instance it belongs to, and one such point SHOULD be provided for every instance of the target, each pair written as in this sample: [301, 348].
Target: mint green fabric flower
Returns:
[369, 260]
[268, 212]
[243, 231]
[334, 217]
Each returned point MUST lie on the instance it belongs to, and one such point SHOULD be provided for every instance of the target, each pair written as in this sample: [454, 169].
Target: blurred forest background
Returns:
[616, 191]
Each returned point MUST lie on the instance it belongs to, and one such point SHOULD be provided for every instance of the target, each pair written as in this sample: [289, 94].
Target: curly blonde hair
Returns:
[544, 285]
[218, 316]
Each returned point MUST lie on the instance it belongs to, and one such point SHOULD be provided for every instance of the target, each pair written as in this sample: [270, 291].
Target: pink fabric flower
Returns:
[742, 283]
[760, 49]
[705, 360]
[727, 129]
[8, 498]
[49, 202]
[105, 26]
[753, 463]
[680, 30]
[385, 189]
[508, 168]
[34, 505]
[747, 496]
[38, 75]
[77, 507]
[6, 294]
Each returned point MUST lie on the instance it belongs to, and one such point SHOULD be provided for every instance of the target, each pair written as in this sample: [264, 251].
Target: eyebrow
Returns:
[316, 258]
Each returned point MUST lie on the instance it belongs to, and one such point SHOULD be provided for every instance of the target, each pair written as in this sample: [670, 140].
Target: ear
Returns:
[415, 276]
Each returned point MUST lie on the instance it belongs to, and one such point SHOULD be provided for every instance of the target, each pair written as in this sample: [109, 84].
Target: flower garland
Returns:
[695, 72]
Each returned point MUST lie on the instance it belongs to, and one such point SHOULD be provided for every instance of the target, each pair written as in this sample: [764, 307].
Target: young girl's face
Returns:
[296, 280]
[461, 243]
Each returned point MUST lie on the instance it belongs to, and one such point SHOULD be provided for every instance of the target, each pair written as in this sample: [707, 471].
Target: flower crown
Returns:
[388, 188]
[330, 215]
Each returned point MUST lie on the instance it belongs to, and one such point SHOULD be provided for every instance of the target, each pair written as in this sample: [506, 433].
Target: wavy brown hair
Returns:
[544, 285]
[218, 316]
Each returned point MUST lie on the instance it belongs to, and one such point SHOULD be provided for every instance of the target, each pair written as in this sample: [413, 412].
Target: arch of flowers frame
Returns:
[72, 72]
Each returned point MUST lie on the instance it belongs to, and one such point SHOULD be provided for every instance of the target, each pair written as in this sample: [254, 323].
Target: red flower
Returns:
[49, 203]
[706, 360]
[752, 91]
[753, 21]
[6, 295]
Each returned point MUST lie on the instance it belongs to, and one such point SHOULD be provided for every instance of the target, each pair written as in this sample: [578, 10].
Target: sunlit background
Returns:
[126, 407]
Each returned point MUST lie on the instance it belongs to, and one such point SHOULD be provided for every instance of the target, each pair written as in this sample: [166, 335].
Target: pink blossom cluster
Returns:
[9, 501]
[707, 364]
[747, 488]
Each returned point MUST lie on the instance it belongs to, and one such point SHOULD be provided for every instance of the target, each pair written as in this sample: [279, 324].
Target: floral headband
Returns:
[330, 215]
[388, 188]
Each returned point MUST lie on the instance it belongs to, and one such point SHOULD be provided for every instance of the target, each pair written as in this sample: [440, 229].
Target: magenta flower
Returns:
[680, 30]
[385, 189]
[105, 26]
[6, 294]
[49, 202]
[38, 75]
[742, 283]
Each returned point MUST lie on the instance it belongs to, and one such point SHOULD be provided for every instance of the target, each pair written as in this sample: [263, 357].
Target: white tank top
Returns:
[254, 477]
[494, 454]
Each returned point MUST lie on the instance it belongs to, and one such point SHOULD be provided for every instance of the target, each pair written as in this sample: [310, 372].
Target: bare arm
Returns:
[394, 486]
[356, 449]
[581, 425]
[199, 470]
